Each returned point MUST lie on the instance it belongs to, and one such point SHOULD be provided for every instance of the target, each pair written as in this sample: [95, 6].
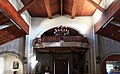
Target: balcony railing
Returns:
[64, 38]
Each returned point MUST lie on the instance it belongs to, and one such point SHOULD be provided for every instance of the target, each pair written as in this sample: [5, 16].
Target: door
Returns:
[61, 66]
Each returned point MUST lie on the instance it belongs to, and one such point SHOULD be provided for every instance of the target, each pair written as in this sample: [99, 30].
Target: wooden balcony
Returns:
[64, 38]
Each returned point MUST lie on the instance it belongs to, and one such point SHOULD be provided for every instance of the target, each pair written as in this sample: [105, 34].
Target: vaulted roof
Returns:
[44, 8]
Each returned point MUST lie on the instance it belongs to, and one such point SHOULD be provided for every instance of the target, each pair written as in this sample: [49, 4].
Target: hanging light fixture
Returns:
[61, 31]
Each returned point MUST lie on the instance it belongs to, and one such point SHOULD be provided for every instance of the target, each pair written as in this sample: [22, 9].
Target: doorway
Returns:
[61, 66]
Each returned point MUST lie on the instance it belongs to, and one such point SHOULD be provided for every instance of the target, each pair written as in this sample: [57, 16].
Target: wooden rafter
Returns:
[110, 12]
[47, 5]
[96, 5]
[26, 6]
[13, 14]
[75, 5]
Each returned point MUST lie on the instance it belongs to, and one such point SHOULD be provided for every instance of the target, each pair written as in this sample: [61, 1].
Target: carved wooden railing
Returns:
[59, 38]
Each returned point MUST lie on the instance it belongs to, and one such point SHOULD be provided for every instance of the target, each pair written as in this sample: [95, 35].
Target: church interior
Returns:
[59, 36]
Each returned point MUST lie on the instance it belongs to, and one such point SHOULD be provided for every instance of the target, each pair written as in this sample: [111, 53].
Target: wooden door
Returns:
[61, 66]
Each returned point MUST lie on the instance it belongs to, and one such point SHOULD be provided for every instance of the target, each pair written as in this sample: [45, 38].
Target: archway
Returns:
[109, 58]
[61, 43]
[10, 63]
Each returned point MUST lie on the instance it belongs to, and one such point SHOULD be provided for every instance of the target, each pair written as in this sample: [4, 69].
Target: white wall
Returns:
[7, 64]
[16, 46]
[2, 65]
[39, 25]
[108, 46]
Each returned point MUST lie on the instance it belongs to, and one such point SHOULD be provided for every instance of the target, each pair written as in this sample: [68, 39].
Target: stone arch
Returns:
[109, 57]
[9, 59]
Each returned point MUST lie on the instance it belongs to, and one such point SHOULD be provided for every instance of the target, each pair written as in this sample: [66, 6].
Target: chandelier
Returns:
[61, 31]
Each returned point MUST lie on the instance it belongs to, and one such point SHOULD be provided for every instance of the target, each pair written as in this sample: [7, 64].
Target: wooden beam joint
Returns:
[96, 5]
[13, 14]
[108, 15]
[26, 7]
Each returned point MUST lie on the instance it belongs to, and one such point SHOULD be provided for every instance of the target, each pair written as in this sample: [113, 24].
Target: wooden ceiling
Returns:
[44, 8]
[9, 31]
[12, 25]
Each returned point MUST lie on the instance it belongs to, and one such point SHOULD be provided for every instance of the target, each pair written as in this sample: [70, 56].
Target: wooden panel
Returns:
[4, 20]
[117, 16]
[85, 8]
[110, 12]
[38, 8]
[61, 66]
[12, 13]
[65, 38]
[110, 31]
[67, 6]
[61, 49]
[55, 6]
[10, 33]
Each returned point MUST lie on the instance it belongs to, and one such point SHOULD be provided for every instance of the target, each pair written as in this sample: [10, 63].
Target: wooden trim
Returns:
[26, 6]
[47, 5]
[110, 12]
[96, 5]
[75, 5]
[13, 14]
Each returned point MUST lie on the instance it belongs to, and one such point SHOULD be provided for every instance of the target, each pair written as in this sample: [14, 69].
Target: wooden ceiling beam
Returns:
[96, 5]
[75, 5]
[47, 5]
[26, 6]
[110, 12]
[13, 14]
